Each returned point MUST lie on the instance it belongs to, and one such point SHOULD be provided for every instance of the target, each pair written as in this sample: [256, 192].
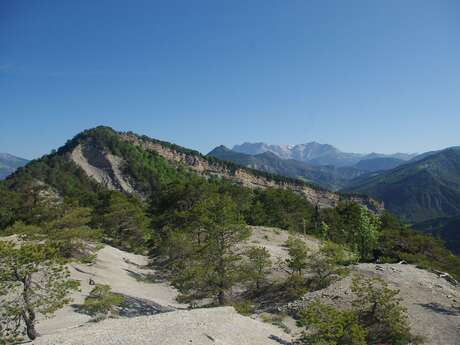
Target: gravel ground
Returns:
[433, 304]
[214, 326]
[121, 270]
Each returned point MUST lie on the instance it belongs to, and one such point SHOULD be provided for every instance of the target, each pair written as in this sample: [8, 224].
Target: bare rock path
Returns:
[213, 326]
[124, 272]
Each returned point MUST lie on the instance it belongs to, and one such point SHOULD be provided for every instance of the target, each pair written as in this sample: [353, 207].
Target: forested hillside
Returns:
[447, 228]
[115, 188]
[424, 189]
[50, 186]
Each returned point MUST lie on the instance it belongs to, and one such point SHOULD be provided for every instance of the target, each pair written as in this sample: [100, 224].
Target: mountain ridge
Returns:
[315, 153]
[326, 176]
[207, 165]
[105, 157]
[418, 190]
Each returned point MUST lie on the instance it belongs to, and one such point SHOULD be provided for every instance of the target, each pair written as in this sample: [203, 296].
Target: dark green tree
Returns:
[215, 263]
[380, 311]
[124, 220]
[258, 266]
[326, 265]
[298, 255]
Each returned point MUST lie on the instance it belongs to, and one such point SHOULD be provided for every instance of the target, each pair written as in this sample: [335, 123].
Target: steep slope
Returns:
[210, 166]
[326, 176]
[9, 163]
[138, 165]
[420, 190]
[315, 153]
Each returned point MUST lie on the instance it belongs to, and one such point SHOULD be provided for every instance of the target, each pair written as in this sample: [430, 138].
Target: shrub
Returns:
[329, 326]
[258, 266]
[376, 317]
[298, 255]
[101, 301]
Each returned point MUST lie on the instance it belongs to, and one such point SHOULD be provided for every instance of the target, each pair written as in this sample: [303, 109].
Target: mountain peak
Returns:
[219, 149]
[315, 153]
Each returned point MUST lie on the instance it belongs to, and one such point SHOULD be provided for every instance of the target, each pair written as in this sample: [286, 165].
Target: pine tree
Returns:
[33, 281]
[258, 265]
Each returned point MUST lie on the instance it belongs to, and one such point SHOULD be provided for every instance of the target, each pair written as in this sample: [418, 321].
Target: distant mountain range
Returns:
[9, 164]
[321, 164]
[316, 154]
[422, 189]
[327, 176]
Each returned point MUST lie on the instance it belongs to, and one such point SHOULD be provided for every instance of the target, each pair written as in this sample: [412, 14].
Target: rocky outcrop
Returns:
[104, 167]
[432, 302]
[243, 176]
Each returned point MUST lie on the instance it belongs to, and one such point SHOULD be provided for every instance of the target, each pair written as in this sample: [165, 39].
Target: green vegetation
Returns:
[419, 190]
[352, 225]
[280, 208]
[123, 219]
[47, 188]
[329, 326]
[315, 271]
[376, 317]
[101, 302]
[36, 282]
[203, 251]
[298, 255]
[447, 228]
[327, 265]
[258, 266]
[68, 233]
[195, 227]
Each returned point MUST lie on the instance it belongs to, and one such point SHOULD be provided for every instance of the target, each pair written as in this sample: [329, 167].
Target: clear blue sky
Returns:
[362, 75]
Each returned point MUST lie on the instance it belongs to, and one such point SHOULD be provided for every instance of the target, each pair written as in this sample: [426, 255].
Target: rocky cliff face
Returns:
[243, 176]
[104, 167]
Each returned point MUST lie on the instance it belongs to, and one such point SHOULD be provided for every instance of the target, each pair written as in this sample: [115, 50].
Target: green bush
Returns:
[101, 301]
[376, 317]
[244, 307]
[329, 326]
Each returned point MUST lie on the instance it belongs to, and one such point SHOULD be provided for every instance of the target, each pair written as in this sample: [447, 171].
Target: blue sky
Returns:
[361, 75]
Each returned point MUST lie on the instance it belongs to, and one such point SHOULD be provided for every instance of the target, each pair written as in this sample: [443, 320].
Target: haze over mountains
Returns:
[327, 176]
[9, 163]
[322, 164]
[316, 153]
